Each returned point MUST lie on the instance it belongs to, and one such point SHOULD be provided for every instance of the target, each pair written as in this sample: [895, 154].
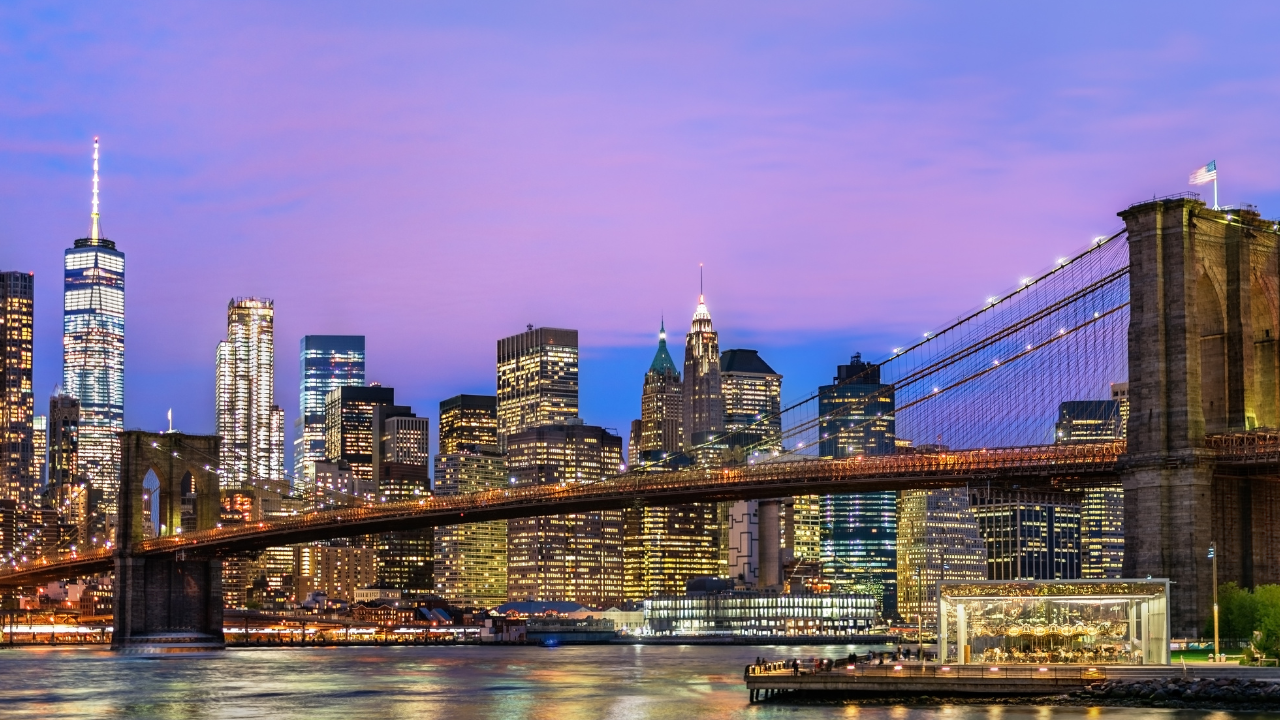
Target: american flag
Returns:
[1206, 174]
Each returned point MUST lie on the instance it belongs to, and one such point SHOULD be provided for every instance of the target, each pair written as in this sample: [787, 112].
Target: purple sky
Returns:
[436, 176]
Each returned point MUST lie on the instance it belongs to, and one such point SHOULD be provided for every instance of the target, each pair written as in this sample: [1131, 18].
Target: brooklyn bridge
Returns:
[1183, 301]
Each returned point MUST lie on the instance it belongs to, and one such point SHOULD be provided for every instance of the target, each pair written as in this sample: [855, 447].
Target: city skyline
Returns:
[730, 151]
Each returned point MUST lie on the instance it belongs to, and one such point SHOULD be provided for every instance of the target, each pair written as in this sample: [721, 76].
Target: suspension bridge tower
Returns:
[1202, 362]
[171, 603]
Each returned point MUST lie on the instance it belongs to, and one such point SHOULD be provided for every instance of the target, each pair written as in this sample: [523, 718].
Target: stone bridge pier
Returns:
[166, 604]
[1202, 360]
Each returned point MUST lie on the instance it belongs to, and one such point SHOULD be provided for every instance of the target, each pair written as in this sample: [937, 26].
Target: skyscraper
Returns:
[703, 398]
[661, 429]
[468, 420]
[1029, 534]
[537, 379]
[17, 404]
[859, 531]
[664, 547]
[354, 420]
[703, 413]
[1102, 531]
[326, 362]
[471, 559]
[575, 557]
[938, 539]
[752, 393]
[248, 419]
[93, 350]
[67, 490]
[402, 469]
[752, 396]
[386, 448]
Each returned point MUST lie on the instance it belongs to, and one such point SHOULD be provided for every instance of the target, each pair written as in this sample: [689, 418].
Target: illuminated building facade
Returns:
[1089, 421]
[1029, 534]
[665, 547]
[337, 571]
[805, 528]
[471, 560]
[733, 613]
[325, 362]
[20, 478]
[703, 412]
[337, 486]
[703, 393]
[468, 420]
[352, 419]
[402, 470]
[938, 539]
[752, 394]
[661, 431]
[40, 447]
[859, 531]
[67, 490]
[1120, 394]
[577, 557]
[402, 465]
[248, 419]
[537, 379]
[1102, 531]
[93, 350]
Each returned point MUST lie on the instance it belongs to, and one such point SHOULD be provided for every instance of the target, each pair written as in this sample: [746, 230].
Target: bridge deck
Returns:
[1026, 465]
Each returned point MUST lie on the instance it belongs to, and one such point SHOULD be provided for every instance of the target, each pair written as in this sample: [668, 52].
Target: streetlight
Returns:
[1213, 555]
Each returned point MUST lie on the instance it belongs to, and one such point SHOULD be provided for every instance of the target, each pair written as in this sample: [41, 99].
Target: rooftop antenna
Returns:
[94, 230]
[700, 293]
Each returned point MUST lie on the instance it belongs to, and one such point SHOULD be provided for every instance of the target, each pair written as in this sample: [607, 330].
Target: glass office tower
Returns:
[93, 351]
[859, 531]
[326, 362]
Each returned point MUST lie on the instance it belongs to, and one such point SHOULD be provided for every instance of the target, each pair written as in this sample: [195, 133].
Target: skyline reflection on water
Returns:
[453, 683]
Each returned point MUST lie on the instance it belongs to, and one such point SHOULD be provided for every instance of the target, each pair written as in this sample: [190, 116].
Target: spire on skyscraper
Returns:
[662, 362]
[95, 228]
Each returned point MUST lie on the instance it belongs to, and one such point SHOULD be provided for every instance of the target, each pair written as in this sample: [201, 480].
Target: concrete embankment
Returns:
[1204, 686]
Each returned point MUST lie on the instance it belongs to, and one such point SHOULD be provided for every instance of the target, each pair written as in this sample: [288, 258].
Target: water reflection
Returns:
[448, 683]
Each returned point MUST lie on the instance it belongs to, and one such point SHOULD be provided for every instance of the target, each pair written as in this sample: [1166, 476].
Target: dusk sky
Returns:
[438, 175]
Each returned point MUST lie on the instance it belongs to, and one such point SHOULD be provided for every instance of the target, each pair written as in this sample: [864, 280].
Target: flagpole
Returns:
[1215, 189]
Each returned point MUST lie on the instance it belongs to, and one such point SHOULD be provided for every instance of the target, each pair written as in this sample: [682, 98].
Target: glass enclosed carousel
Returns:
[1088, 622]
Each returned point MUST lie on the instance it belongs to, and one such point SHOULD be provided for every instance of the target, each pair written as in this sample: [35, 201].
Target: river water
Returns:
[449, 683]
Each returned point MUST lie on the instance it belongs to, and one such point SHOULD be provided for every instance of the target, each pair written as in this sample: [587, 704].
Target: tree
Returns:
[1237, 613]
[1267, 619]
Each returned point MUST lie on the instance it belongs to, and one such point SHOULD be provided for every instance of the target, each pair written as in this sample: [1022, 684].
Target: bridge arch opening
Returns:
[1211, 324]
[151, 524]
